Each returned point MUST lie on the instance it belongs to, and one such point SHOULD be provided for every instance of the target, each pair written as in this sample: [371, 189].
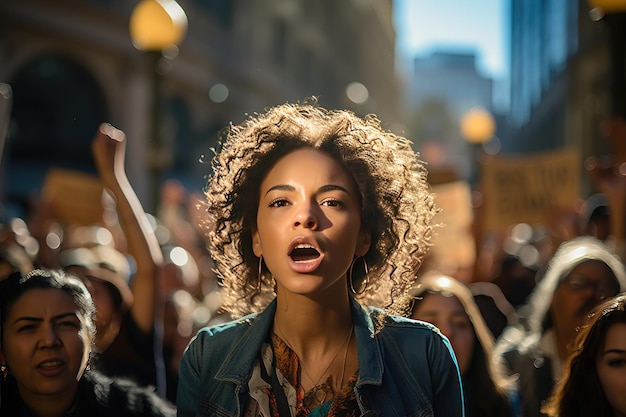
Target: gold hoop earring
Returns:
[260, 276]
[351, 278]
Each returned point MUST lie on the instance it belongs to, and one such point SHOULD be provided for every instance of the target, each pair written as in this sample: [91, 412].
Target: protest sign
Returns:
[453, 247]
[74, 197]
[528, 188]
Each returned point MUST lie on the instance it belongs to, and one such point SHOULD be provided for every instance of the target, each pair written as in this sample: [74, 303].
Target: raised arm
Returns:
[109, 150]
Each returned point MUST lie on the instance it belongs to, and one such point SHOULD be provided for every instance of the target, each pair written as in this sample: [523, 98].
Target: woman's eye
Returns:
[279, 202]
[462, 324]
[331, 202]
[617, 363]
[26, 328]
[69, 323]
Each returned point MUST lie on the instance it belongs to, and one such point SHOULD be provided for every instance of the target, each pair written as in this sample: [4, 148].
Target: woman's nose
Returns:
[306, 217]
[49, 337]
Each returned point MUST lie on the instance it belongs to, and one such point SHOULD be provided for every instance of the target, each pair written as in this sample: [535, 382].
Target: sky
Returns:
[454, 25]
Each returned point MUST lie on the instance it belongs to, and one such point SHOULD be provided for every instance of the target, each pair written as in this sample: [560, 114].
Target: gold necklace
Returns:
[343, 366]
[316, 382]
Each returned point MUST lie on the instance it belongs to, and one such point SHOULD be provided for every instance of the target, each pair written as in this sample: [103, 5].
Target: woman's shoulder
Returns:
[394, 323]
[228, 331]
[403, 332]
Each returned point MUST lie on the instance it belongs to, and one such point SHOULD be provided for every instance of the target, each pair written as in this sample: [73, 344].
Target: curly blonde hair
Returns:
[396, 203]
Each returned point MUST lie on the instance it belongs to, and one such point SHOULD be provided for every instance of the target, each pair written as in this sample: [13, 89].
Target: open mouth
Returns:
[304, 253]
[51, 364]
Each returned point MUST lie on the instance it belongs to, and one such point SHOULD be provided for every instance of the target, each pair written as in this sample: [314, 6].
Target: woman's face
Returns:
[309, 223]
[448, 315]
[581, 290]
[101, 296]
[611, 367]
[45, 343]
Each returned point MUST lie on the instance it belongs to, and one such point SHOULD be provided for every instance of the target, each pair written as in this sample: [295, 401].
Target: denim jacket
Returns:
[406, 368]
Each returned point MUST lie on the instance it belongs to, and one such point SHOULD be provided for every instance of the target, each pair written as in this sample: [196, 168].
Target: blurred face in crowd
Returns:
[448, 314]
[611, 368]
[45, 344]
[580, 291]
[107, 316]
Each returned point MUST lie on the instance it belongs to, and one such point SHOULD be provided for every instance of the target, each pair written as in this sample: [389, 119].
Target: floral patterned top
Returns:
[319, 401]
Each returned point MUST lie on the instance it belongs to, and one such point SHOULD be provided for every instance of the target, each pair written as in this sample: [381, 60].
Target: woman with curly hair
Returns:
[594, 381]
[318, 220]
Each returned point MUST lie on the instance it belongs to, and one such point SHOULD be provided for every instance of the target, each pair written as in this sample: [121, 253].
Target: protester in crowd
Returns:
[180, 213]
[129, 300]
[315, 213]
[178, 328]
[594, 217]
[594, 380]
[495, 309]
[18, 248]
[582, 273]
[180, 279]
[448, 304]
[46, 335]
[524, 252]
[13, 258]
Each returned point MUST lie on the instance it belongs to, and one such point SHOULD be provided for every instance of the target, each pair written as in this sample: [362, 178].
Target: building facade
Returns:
[71, 65]
[560, 72]
[441, 89]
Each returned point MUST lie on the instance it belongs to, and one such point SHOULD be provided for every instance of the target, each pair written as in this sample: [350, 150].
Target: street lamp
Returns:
[477, 127]
[156, 28]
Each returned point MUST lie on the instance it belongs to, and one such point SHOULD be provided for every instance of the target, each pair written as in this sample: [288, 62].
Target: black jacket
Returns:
[98, 396]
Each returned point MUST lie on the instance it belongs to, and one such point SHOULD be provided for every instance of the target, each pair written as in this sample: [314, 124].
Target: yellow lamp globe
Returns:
[477, 125]
[156, 24]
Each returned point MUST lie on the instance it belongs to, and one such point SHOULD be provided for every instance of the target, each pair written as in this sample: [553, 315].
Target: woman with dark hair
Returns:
[448, 304]
[46, 338]
[594, 380]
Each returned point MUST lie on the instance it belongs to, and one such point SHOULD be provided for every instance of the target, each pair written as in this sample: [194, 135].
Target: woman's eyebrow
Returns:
[39, 319]
[619, 351]
[322, 189]
[281, 187]
[333, 187]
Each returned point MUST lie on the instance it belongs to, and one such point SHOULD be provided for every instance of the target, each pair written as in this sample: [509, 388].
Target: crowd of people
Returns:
[300, 284]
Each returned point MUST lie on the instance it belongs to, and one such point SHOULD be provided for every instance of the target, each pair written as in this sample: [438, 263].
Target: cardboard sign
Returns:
[74, 197]
[453, 244]
[526, 189]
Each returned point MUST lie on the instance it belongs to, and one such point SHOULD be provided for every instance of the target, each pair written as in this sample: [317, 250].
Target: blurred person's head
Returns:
[595, 220]
[525, 251]
[46, 334]
[582, 273]
[449, 305]
[178, 324]
[106, 274]
[180, 270]
[14, 258]
[496, 310]
[594, 382]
